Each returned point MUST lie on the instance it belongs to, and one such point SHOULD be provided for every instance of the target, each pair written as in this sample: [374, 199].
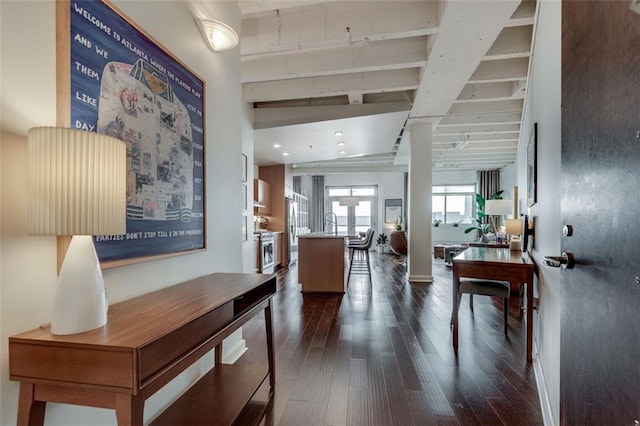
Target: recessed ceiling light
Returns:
[277, 145]
[340, 143]
[343, 152]
[285, 154]
[338, 133]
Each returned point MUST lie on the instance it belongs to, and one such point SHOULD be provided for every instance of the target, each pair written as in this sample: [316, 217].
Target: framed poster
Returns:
[532, 166]
[125, 84]
[392, 210]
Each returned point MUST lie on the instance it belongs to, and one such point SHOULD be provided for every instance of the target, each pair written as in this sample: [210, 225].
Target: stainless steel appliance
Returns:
[267, 263]
[291, 231]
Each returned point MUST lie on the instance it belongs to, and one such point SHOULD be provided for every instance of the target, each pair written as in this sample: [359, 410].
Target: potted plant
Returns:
[437, 222]
[482, 227]
[382, 243]
[398, 225]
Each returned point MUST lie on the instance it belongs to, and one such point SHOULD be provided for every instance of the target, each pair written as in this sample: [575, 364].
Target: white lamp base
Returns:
[515, 244]
[81, 302]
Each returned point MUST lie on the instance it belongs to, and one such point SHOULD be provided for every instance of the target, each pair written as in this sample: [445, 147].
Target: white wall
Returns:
[462, 177]
[27, 274]
[543, 106]
[248, 248]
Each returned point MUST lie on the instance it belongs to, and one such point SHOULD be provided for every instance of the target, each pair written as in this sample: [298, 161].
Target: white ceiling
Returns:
[369, 68]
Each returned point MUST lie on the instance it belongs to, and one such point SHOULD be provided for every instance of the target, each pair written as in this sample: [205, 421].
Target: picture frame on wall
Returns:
[532, 166]
[392, 210]
[125, 84]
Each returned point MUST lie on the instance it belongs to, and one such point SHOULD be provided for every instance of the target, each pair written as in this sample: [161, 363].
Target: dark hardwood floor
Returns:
[382, 355]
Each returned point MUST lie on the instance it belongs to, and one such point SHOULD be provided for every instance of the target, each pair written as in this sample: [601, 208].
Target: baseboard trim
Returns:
[421, 278]
[232, 354]
[543, 395]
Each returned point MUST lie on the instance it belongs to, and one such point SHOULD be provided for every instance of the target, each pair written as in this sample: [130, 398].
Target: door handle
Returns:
[566, 261]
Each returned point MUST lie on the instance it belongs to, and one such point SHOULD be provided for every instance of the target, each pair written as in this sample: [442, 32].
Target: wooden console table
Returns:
[146, 343]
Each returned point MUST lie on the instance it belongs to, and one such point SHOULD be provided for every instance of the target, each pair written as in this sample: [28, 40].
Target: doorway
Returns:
[354, 209]
[600, 337]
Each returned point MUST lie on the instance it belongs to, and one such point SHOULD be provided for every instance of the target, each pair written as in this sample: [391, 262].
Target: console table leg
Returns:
[454, 313]
[30, 411]
[218, 354]
[270, 352]
[129, 410]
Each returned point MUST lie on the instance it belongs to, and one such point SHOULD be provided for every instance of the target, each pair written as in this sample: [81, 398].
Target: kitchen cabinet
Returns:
[280, 179]
[321, 263]
[262, 189]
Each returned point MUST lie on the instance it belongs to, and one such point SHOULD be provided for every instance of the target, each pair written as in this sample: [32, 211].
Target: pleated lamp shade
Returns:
[77, 186]
[513, 227]
[349, 201]
[77, 183]
[498, 207]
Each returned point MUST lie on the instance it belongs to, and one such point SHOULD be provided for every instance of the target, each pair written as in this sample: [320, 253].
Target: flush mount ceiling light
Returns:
[285, 154]
[343, 152]
[340, 143]
[277, 145]
[218, 35]
[338, 133]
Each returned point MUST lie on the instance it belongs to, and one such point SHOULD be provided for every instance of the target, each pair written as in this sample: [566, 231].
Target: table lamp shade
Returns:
[498, 207]
[513, 227]
[77, 186]
[77, 183]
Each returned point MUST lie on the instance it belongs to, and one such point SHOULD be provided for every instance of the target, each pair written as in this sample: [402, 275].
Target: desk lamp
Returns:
[514, 229]
[497, 208]
[77, 187]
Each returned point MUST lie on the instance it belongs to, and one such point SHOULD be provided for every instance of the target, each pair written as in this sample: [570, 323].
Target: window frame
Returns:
[444, 192]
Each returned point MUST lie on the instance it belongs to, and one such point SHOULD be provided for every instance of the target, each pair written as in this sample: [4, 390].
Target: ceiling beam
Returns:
[310, 87]
[375, 56]
[487, 107]
[325, 25]
[264, 118]
[501, 70]
[513, 42]
[469, 27]
[465, 129]
[481, 119]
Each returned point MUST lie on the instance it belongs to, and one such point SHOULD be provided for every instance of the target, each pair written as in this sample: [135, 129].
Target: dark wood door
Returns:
[600, 334]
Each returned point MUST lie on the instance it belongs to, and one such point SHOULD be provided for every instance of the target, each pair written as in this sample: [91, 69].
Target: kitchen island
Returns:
[321, 262]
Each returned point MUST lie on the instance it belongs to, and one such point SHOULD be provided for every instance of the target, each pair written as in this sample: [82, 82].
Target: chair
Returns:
[452, 251]
[485, 287]
[360, 247]
[352, 240]
[398, 242]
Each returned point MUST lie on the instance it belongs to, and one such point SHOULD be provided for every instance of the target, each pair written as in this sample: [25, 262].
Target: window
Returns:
[454, 203]
[352, 219]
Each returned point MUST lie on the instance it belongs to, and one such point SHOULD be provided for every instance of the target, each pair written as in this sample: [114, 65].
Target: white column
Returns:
[420, 180]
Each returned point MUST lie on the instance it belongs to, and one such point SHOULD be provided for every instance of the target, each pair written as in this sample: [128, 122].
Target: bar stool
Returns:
[360, 247]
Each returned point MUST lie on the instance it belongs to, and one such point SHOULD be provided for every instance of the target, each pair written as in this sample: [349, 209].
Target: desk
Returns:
[148, 341]
[495, 264]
